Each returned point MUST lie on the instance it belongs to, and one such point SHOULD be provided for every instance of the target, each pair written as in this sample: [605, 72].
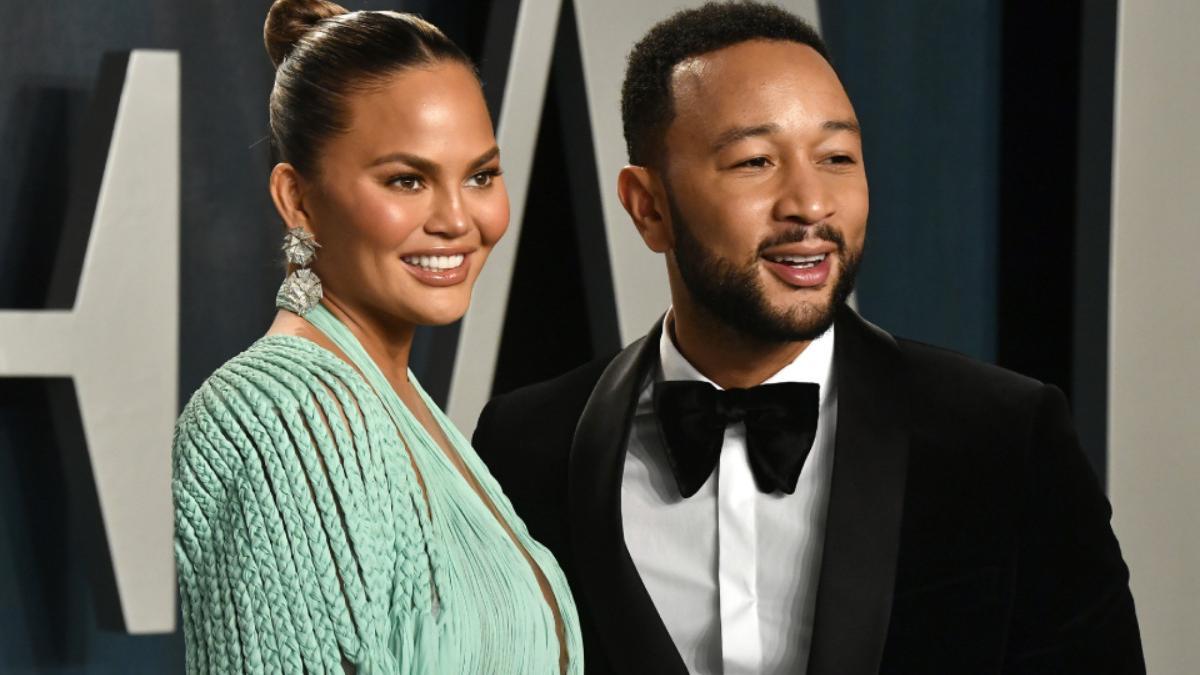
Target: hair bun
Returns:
[290, 20]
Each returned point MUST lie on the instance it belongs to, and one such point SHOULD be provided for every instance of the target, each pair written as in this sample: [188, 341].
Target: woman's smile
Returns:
[439, 268]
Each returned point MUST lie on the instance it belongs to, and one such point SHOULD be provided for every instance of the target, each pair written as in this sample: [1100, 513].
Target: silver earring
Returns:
[301, 290]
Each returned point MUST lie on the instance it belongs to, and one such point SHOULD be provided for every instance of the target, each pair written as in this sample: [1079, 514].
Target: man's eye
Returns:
[406, 182]
[840, 159]
[755, 162]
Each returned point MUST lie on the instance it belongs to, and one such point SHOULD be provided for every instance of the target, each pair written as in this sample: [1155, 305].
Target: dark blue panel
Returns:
[924, 77]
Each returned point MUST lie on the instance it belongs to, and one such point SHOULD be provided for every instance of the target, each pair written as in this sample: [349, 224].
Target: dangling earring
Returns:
[301, 290]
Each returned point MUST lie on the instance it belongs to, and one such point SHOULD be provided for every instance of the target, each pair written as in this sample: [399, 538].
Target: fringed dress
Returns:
[304, 540]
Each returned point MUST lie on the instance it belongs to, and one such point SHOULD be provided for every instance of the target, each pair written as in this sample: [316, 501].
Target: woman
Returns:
[328, 515]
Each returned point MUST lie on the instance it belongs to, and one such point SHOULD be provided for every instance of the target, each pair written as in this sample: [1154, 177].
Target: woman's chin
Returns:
[436, 316]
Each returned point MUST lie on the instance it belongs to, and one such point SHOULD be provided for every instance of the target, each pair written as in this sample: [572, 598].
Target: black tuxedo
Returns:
[966, 533]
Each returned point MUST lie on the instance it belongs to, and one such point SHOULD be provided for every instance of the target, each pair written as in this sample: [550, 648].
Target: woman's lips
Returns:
[438, 270]
[802, 277]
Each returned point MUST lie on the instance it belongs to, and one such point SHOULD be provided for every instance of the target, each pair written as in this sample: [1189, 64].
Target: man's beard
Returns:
[735, 296]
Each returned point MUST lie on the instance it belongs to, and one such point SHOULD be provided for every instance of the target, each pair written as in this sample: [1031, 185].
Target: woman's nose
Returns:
[449, 217]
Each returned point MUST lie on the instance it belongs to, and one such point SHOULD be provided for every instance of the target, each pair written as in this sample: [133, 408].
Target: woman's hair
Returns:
[322, 53]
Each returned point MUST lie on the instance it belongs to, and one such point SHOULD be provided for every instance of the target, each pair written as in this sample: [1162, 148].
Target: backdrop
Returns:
[988, 131]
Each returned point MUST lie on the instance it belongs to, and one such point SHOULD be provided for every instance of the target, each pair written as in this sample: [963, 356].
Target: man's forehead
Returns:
[732, 77]
[749, 64]
[691, 71]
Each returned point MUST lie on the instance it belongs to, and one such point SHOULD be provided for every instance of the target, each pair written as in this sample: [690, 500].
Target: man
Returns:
[765, 482]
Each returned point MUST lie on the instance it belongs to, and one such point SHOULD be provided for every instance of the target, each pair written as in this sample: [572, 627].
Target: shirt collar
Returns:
[814, 364]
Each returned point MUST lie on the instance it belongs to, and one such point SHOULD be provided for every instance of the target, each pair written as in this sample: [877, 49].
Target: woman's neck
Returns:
[387, 341]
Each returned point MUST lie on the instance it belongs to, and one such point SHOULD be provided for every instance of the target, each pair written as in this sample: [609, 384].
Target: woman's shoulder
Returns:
[277, 380]
[273, 366]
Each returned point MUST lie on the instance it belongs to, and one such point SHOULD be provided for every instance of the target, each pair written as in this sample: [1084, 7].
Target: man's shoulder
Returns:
[934, 366]
[950, 389]
[928, 370]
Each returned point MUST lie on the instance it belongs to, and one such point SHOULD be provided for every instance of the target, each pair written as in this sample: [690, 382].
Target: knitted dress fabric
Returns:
[303, 537]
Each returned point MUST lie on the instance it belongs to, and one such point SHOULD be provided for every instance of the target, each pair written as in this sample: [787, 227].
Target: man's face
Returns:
[766, 187]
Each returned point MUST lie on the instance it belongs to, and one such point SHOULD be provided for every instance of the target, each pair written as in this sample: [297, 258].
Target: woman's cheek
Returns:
[493, 216]
[386, 224]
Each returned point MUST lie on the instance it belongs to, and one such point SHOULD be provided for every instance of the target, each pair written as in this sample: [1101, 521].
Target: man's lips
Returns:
[808, 247]
[809, 270]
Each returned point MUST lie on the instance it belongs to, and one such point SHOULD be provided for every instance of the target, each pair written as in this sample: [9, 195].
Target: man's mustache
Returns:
[824, 231]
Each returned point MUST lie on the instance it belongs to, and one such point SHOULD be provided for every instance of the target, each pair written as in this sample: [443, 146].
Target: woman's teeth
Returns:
[798, 260]
[435, 263]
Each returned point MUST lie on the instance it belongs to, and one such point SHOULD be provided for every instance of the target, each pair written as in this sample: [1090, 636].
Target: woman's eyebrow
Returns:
[486, 157]
[428, 165]
[415, 161]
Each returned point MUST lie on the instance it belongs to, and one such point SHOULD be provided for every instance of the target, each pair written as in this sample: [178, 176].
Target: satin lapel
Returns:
[633, 635]
[862, 530]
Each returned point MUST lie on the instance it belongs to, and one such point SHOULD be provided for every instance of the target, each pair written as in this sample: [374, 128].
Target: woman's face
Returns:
[409, 201]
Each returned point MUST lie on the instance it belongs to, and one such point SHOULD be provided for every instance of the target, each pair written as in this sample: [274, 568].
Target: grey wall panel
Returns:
[1154, 430]
[520, 114]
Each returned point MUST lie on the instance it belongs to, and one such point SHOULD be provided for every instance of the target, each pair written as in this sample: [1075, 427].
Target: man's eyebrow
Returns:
[735, 134]
[843, 125]
[739, 133]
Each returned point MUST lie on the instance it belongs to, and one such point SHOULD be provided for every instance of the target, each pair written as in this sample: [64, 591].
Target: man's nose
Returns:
[804, 196]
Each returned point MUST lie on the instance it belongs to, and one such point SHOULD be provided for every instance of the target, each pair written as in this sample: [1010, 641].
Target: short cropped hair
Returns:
[646, 98]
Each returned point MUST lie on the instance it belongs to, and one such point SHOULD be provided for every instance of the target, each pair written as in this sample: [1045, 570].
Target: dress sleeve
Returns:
[297, 536]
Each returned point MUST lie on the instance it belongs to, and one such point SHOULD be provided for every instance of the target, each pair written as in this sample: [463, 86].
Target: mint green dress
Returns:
[302, 535]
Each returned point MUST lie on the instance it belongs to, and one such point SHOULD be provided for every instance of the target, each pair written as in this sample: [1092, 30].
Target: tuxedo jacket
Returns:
[965, 533]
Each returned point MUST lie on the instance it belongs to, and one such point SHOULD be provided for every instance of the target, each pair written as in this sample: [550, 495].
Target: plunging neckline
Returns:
[447, 453]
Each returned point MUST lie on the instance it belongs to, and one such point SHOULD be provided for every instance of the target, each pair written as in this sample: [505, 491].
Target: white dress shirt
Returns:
[732, 571]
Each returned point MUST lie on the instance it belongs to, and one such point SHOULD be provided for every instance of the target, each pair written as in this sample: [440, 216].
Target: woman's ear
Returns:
[645, 200]
[288, 193]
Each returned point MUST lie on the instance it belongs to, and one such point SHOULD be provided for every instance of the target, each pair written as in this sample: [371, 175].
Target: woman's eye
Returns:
[406, 182]
[483, 178]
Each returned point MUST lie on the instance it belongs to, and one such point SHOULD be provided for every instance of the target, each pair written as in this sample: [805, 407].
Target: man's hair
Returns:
[646, 98]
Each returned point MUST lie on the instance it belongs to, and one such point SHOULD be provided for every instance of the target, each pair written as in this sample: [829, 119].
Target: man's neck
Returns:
[728, 358]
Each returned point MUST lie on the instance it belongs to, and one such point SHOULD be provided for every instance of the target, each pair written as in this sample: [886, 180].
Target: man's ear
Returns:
[643, 196]
[288, 193]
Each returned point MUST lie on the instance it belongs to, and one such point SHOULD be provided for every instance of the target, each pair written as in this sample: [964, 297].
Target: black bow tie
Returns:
[781, 423]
